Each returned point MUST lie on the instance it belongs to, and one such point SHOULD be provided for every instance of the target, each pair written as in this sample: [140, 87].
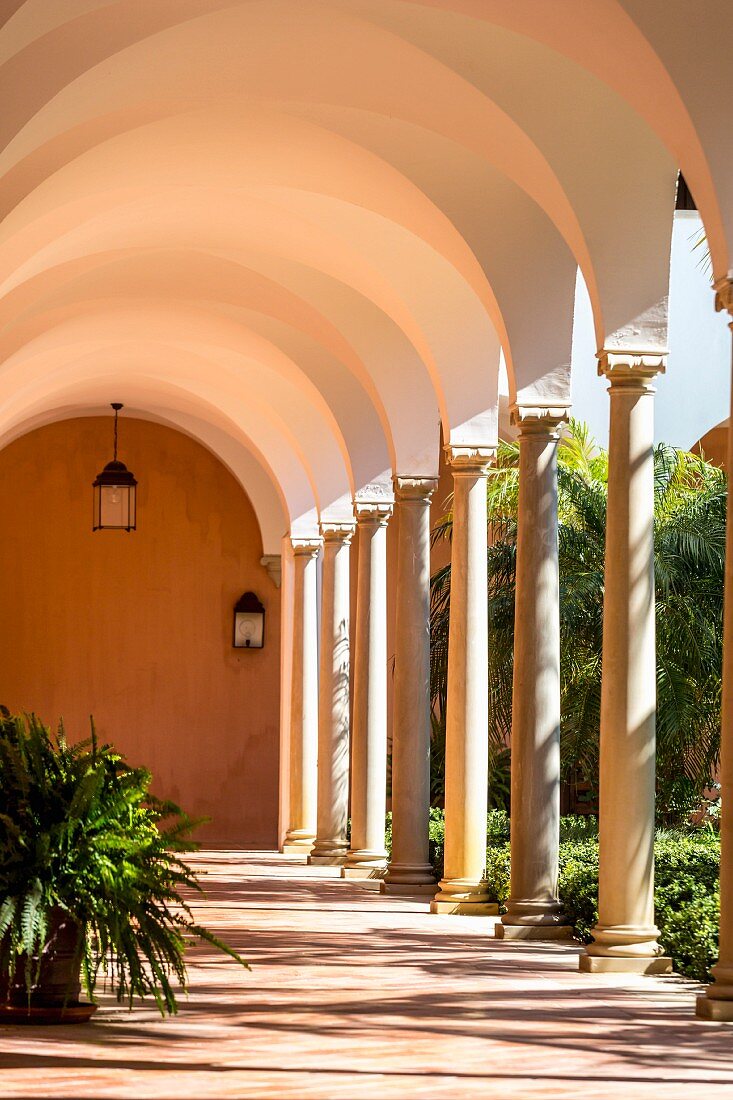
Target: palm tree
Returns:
[689, 531]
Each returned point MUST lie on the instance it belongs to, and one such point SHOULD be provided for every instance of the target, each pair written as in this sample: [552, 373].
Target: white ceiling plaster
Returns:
[312, 232]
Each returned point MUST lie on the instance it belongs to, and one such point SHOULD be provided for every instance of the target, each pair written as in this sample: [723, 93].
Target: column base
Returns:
[635, 941]
[539, 918]
[624, 964]
[407, 888]
[409, 878]
[464, 897]
[465, 908]
[295, 848]
[716, 1003]
[364, 873]
[533, 931]
[374, 884]
[298, 842]
[326, 859]
[708, 1008]
[368, 858]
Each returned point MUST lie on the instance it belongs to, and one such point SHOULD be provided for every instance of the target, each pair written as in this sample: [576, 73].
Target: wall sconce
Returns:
[115, 493]
[249, 622]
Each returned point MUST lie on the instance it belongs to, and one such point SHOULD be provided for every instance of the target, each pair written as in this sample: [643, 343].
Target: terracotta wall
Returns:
[136, 628]
[714, 446]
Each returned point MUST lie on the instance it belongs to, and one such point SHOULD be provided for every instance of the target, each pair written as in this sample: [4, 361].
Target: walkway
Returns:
[352, 995]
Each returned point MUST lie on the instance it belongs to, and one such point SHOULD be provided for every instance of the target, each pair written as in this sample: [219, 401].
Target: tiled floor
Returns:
[355, 995]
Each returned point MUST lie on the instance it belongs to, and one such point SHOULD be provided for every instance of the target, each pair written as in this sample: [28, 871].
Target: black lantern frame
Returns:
[115, 493]
[249, 623]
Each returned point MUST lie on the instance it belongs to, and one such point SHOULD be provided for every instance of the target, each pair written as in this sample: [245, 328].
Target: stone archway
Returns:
[136, 628]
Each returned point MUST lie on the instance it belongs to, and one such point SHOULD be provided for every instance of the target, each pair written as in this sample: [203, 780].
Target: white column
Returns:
[717, 1001]
[304, 701]
[367, 857]
[625, 938]
[533, 911]
[409, 869]
[330, 845]
[463, 888]
[286, 681]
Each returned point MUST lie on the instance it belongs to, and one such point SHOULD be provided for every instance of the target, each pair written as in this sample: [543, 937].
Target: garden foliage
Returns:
[686, 899]
[689, 535]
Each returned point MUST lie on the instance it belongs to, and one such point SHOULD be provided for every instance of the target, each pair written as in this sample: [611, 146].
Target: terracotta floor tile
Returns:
[355, 995]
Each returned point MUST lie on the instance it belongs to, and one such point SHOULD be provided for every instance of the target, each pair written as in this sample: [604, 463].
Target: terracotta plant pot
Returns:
[55, 996]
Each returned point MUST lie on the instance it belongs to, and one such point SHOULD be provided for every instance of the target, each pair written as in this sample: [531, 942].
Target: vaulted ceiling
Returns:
[309, 232]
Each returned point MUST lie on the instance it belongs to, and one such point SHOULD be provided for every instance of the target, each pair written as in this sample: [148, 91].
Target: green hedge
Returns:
[686, 898]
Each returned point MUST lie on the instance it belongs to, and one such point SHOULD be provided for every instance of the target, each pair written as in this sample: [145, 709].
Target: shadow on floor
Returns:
[344, 985]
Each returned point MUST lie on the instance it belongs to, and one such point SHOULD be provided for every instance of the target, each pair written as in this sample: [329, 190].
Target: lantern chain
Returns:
[116, 405]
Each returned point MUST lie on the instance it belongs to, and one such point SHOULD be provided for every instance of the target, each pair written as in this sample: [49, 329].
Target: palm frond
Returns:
[690, 507]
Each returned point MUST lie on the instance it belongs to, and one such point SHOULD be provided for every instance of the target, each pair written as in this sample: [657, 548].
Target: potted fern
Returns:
[90, 878]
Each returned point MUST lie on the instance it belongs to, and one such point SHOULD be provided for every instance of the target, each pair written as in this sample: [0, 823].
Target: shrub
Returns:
[686, 899]
[690, 935]
[578, 885]
[497, 832]
[498, 826]
[497, 872]
[436, 834]
[578, 827]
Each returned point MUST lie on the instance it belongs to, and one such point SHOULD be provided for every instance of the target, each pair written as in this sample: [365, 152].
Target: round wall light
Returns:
[249, 622]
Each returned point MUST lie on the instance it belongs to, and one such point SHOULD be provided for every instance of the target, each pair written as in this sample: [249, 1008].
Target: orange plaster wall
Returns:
[136, 628]
[714, 446]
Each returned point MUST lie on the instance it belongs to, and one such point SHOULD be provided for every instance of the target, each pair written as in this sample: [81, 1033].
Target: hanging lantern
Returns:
[249, 622]
[115, 493]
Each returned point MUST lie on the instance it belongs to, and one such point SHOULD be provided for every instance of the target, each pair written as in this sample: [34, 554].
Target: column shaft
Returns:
[717, 1001]
[409, 869]
[304, 701]
[367, 857]
[463, 888]
[625, 937]
[533, 911]
[330, 846]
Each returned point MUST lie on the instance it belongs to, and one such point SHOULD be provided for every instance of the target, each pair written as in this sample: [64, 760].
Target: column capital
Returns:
[419, 489]
[375, 512]
[306, 547]
[338, 531]
[629, 369]
[373, 504]
[468, 460]
[273, 564]
[539, 419]
[723, 289]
